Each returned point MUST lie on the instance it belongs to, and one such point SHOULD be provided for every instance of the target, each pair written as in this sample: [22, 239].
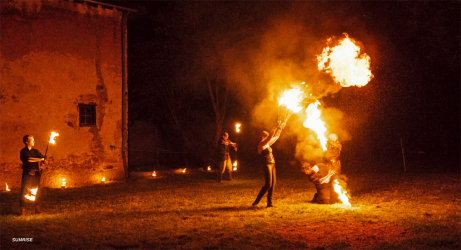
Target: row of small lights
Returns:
[103, 180]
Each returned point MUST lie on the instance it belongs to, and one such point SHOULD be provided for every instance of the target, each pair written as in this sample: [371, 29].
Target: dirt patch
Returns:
[346, 234]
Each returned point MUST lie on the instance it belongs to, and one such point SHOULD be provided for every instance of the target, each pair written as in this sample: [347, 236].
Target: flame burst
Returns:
[314, 122]
[237, 127]
[346, 65]
[63, 182]
[291, 99]
[53, 135]
[341, 193]
[7, 189]
[103, 179]
[33, 192]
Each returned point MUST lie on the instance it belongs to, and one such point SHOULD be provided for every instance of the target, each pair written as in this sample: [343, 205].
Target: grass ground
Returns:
[193, 211]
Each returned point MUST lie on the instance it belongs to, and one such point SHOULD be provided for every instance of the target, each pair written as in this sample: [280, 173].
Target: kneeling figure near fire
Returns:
[320, 175]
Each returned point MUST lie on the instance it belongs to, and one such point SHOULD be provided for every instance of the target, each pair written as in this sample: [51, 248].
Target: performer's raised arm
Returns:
[269, 139]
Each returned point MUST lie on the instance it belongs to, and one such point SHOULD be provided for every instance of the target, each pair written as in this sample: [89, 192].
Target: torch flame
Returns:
[184, 170]
[7, 189]
[33, 192]
[341, 193]
[53, 135]
[237, 127]
[291, 99]
[346, 65]
[314, 122]
[63, 182]
[154, 174]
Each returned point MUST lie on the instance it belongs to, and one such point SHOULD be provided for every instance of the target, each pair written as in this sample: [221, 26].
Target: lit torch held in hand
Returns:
[237, 129]
[52, 141]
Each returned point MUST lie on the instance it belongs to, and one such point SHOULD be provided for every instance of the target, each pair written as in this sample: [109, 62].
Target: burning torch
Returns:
[237, 129]
[52, 141]
[291, 100]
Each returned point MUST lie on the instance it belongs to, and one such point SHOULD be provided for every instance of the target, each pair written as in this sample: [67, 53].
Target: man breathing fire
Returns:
[324, 174]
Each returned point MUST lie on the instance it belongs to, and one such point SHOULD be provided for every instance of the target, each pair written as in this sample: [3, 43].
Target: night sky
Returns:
[259, 49]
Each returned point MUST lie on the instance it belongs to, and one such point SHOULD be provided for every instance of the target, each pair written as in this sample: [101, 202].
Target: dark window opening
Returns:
[87, 115]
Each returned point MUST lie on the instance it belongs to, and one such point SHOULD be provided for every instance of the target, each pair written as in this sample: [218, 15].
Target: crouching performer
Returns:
[321, 175]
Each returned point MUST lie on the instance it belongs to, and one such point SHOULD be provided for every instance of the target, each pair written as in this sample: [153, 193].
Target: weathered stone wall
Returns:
[55, 55]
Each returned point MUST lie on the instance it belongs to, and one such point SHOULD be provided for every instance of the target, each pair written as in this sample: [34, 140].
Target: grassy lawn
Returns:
[193, 211]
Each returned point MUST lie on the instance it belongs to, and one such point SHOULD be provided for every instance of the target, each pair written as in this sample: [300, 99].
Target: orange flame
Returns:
[103, 179]
[291, 99]
[33, 192]
[184, 170]
[154, 174]
[53, 135]
[314, 122]
[209, 168]
[346, 65]
[341, 193]
[7, 189]
[237, 127]
[235, 166]
[63, 182]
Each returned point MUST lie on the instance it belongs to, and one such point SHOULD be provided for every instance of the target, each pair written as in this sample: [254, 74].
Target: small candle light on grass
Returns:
[63, 185]
[154, 174]
[7, 189]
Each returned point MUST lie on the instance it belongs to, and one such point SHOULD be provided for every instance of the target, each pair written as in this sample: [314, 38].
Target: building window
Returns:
[87, 114]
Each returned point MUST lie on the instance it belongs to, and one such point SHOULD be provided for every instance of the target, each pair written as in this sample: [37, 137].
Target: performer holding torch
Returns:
[31, 159]
[268, 163]
[223, 156]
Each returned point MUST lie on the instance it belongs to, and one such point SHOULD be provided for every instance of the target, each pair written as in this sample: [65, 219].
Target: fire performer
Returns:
[31, 165]
[320, 175]
[223, 156]
[268, 163]
[332, 156]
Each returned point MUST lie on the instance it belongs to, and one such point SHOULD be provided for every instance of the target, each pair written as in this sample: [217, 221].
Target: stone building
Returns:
[64, 70]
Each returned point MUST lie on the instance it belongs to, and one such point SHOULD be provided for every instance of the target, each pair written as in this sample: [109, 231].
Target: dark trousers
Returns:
[269, 176]
[30, 182]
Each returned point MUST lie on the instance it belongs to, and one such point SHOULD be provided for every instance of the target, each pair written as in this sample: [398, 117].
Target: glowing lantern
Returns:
[33, 192]
[7, 189]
